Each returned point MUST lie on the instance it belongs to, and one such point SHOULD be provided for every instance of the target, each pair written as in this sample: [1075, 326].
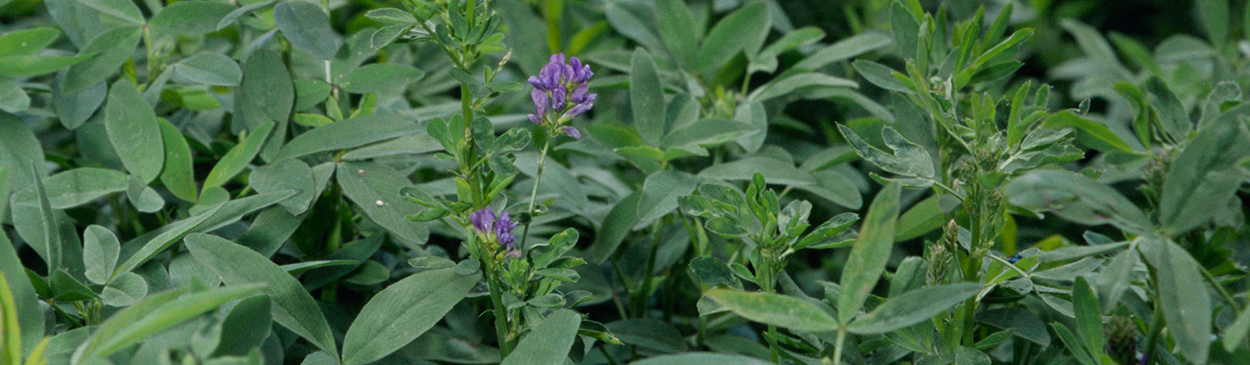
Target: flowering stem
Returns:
[501, 317]
[538, 178]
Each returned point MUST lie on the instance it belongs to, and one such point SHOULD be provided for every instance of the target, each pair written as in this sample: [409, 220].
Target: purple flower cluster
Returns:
[561, 92]
[500, 227]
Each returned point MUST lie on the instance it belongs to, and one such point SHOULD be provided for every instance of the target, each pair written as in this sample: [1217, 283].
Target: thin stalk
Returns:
[774, 352]
[1228, 298]
[538, 178]
[640, 301]
[1156, 323]
[837, 347]
[501, 317]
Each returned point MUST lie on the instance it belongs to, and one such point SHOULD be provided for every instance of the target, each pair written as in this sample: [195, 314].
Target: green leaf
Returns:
[153, 315]
[26, 313]
[708, 133]
[870, 253]
[549, 342]
[73, 109]
[844, 50]
[775, 171]
[76, 187]
[211, 218]
[908, 159]
[375, 189]
[111, 48]
[713, 272]
[18, 150]
[648, 333]
[701, 358]
[209, 69]
[378, 77]
[347, 133]
[402, 312]
[775, 309]
[129, 119]
[1235, 334]
[189, 18]
[924, 217]
[1088, 316]
[12, 98]
[413, 144]
[246, 324]
[1214, 15]
[660, 192]
[99, 253]
[1173, 117]
[239, 157]
[646, 97]
[27, 41]
[286, 174]
[307, 27]
[742, 31]
[241, 11]
[880, 75]
[1092, 134]
[121, 9]
[1183, 296]
[912, 307]
[178, 175]
[35, 65]
[144, 198]
[798, 81]
[265, 94]
[52, 243]
[616, 225]
[124, 289]
[626, 21]
[676, 27]
[391, 16]
[293, 307]
[1076, 198]
[1205, 173]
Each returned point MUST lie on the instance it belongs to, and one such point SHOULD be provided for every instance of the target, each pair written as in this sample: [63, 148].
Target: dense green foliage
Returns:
[549, 182]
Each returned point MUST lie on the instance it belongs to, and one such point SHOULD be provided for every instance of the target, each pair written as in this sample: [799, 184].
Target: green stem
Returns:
[538, 178]
[640, 301]
[837, 347]
[1156, 322]
[1228, 298]
[774, 352]
[501, 317]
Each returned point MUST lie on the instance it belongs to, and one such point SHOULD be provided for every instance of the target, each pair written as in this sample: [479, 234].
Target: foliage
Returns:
[333, 182]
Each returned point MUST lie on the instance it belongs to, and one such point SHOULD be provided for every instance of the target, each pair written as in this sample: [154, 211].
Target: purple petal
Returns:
[537, 82]
[579, 93]
[559, 99]
[483, 220]
[557, 58]
[540, 101]
[572, 132]
[535, 119]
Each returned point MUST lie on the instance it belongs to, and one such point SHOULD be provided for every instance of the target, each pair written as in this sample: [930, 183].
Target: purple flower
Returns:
[503, 231]
[561, 92]
[572, 132]
[483, 220]
[489, 226]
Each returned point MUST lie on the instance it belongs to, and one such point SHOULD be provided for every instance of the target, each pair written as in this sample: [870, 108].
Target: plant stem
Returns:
[1156, 322]
[1228, 298]
[774, 352]
[501, 317]
[640, 301]
[538, 178]
[837, 347]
